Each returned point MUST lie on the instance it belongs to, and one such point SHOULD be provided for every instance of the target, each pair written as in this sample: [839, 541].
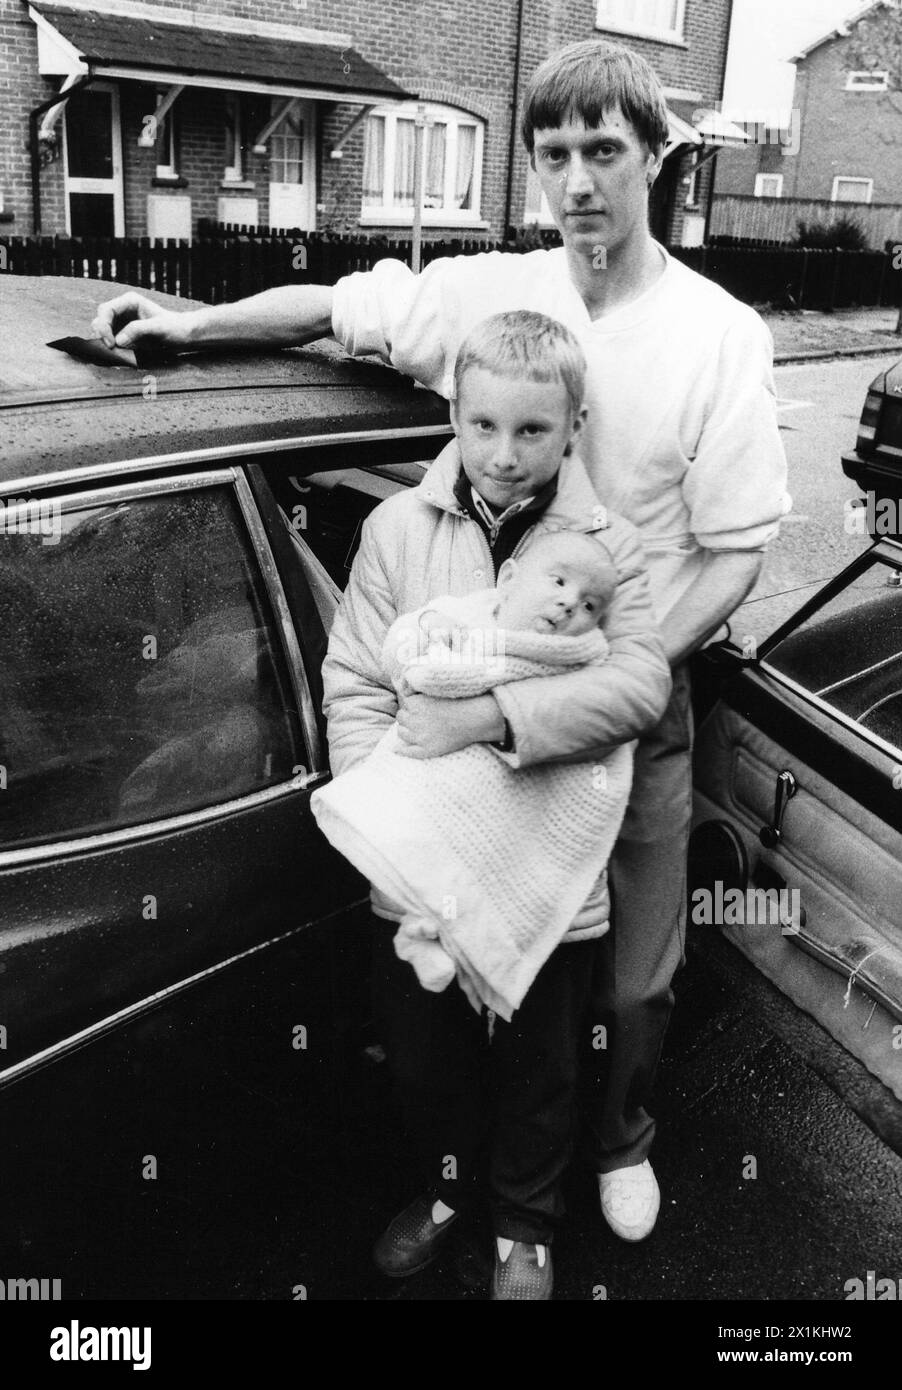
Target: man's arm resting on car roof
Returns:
[283, 317]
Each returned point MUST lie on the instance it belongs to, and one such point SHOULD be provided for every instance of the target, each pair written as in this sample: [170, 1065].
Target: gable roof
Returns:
[838, 31]
[122, 44]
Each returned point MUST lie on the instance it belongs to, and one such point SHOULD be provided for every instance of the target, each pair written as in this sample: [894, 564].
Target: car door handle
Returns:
[787, 786]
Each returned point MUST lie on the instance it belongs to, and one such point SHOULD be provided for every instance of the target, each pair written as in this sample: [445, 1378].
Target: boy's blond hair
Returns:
[585, 82]
[522, 343]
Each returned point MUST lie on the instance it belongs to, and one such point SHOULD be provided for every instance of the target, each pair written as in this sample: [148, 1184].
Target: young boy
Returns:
[491, 864]
[512, 469]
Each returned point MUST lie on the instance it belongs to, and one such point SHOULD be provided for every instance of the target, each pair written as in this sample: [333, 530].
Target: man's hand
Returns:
[130, 319]
[428, 727]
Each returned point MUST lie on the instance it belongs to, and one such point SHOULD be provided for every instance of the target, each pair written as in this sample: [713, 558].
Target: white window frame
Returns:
[761, 179]
[851, 178]
[604, 19]
[388, 214]
[867, 80]
[166, 129]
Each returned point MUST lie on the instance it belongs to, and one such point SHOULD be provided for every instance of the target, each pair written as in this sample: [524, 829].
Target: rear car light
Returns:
[870, 419]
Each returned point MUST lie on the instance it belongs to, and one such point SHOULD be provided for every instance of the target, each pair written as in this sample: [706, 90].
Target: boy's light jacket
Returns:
[419, 545]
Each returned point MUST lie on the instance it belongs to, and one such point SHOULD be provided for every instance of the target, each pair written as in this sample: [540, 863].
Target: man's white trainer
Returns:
[630, 1199]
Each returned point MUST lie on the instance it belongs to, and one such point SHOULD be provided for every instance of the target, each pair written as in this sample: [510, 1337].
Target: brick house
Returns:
[844, 143]
[302, 113]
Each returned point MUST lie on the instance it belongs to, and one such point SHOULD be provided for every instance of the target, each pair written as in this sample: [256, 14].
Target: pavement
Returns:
[776, 1184]
[804, 335]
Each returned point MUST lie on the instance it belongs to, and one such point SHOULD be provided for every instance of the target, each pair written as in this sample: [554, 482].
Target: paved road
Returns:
[820, 406]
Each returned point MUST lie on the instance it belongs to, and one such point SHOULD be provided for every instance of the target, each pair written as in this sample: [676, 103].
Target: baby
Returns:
[562, 585]
[483, 857]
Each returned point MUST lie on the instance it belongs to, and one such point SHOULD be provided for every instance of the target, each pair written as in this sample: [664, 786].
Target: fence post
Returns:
[803, 277]
[837, 252]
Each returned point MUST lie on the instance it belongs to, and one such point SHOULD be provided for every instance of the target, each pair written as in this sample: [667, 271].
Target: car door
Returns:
[796, 850]
[158, 747]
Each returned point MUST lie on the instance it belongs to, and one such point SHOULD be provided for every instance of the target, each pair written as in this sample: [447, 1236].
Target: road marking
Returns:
[786, 403]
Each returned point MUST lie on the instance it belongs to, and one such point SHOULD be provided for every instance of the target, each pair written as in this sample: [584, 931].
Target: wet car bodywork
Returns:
[165, 620]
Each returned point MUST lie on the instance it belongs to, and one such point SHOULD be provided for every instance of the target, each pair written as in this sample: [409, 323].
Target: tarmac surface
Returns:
[775, 1182]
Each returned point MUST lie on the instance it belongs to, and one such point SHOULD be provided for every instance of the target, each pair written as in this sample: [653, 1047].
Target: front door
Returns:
[292, 170]
[93, 163]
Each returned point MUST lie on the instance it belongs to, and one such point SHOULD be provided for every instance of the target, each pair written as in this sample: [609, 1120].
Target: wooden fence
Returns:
[235, 263]
[222, 264]
[777, 219]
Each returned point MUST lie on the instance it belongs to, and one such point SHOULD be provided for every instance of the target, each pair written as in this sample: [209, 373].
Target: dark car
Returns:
[170, 542]
[798, 774]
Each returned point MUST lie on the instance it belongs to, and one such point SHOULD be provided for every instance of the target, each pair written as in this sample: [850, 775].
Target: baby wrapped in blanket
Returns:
[490, 863]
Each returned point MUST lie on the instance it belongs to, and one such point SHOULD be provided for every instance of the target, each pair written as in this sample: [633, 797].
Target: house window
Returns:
[452, 173]
[864, 81]
[234, 142]
[167, 159]
[658, 19]
[768, 185]
[848, 190]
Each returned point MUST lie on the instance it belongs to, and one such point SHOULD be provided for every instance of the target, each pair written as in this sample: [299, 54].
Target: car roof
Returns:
[58, 413]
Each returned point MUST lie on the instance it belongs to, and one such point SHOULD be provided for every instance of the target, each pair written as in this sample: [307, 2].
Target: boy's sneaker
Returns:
[525, 1274]
[630, 1199]
[412, 1240]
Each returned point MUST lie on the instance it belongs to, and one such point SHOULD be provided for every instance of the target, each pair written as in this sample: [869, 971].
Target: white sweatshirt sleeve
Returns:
[409, 320]
[735, 486]
[417, 322]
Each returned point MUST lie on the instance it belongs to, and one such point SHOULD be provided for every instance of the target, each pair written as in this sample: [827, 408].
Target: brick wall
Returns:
[21, 89]
[698, 66]
[858, 134]
[460, 52]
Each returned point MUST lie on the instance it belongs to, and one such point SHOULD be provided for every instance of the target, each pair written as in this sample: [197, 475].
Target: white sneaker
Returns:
[630, 1199]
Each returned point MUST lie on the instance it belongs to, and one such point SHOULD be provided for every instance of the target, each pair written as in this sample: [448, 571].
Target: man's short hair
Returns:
[587, 81]
[523, 343]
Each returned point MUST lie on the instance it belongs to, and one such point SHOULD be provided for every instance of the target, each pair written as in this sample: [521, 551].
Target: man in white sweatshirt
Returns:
[681, 439]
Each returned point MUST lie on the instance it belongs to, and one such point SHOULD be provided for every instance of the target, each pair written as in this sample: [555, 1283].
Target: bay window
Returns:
[452, 172]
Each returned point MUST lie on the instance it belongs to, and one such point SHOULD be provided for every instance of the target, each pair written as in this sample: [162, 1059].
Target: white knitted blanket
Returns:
[490, 863]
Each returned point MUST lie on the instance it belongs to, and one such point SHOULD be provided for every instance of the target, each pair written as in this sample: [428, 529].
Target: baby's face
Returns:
[554, 591]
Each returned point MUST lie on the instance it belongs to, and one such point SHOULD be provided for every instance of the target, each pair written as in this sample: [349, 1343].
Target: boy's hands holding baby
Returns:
[428, 727]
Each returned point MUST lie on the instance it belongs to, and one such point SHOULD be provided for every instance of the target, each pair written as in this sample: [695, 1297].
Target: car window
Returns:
[849, 653]
[328, 508]
[141, 676]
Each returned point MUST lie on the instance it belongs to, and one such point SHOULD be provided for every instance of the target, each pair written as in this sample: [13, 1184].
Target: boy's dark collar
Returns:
[542, 499]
